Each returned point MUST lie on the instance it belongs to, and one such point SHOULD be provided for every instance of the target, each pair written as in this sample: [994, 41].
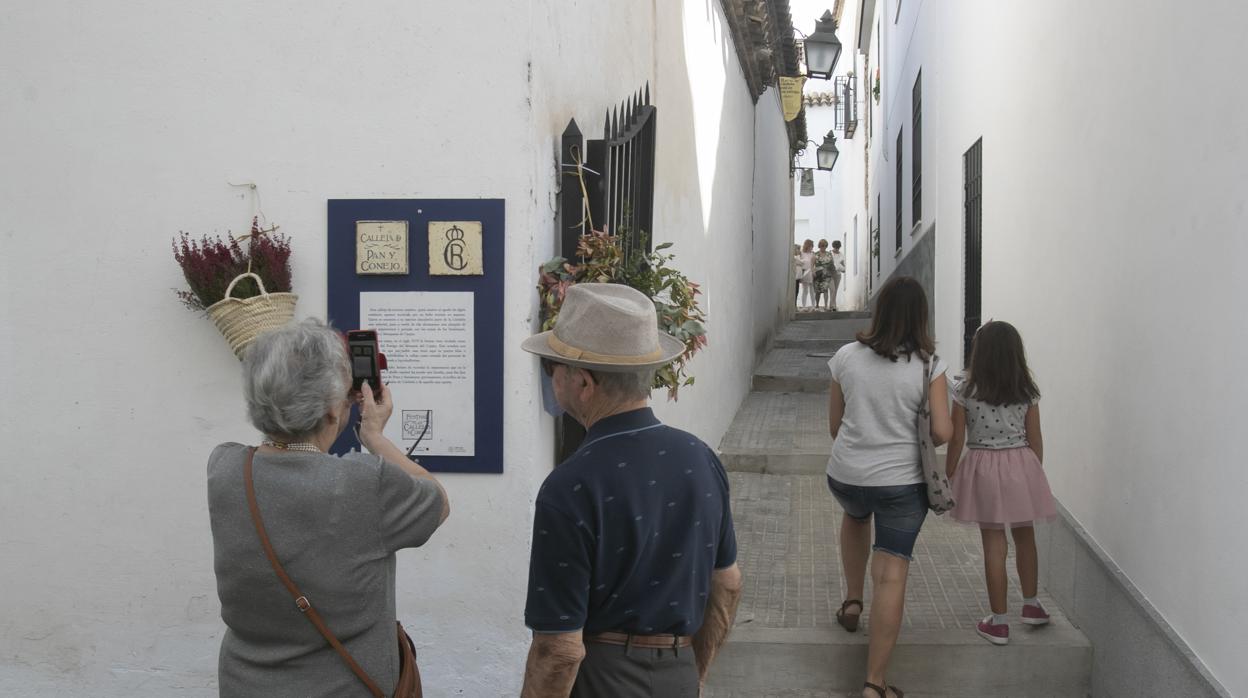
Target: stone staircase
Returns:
[786, 643]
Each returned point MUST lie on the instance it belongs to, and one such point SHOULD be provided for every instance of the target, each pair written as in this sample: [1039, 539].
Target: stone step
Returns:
[1038, 663]
[790, 370]
[712, 692]
[786, 640]
[831, 315]
[821, 334]
[778, 433]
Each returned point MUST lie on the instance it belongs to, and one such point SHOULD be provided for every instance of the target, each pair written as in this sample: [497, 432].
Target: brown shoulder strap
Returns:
[301, 601]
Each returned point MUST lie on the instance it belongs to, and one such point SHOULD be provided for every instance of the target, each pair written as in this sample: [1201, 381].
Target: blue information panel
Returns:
[345, 286]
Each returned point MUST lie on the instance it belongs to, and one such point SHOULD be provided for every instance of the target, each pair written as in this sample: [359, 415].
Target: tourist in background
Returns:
[797, 272]
[1000, 483]
[824, 262]
[838, 271]
[874, 470]
[806, 274]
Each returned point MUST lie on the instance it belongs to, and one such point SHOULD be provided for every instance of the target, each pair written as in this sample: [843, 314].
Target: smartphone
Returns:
[367, 362]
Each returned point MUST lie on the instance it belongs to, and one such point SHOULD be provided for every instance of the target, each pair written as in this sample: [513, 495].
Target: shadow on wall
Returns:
[705, 182]
[920, 263]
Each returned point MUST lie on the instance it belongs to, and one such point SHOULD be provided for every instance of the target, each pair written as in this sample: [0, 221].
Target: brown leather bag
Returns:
[409, 674]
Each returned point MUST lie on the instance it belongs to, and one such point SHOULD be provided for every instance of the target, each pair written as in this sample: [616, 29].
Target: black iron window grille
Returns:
[607, 184]
[916, 151]
[898, 199]
[618, 177]
[973, 220]
[846, 107]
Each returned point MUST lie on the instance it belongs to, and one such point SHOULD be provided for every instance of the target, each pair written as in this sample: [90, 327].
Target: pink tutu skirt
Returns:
[1002, 488]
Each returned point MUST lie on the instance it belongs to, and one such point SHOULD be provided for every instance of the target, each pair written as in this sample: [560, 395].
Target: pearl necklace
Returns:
[294, 446]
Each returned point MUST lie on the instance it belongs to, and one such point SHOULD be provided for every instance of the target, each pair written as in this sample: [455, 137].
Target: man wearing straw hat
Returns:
[633, 581]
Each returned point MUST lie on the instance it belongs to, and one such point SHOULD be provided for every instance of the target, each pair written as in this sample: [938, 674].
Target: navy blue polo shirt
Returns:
[628, 530]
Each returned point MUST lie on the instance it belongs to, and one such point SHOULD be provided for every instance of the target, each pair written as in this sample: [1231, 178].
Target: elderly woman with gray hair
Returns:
[300, 535]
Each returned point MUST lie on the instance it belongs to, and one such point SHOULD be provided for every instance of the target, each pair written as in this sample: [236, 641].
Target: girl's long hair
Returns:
[899, 324]
[998, 373]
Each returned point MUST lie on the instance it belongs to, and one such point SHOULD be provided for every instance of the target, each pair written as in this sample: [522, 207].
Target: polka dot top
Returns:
[991, 426]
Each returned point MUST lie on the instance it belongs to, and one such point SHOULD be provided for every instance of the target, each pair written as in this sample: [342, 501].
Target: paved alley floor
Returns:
[786, 643]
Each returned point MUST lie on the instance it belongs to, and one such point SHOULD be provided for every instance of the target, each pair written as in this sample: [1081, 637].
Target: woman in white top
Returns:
[838, 269]
[874, 471]
[806, 274]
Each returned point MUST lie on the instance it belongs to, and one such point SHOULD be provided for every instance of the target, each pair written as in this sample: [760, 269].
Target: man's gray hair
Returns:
[626, 385]
[293, 376]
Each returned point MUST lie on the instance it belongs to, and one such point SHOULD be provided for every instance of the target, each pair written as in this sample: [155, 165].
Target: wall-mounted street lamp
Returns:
[827, 152]
[822, 49]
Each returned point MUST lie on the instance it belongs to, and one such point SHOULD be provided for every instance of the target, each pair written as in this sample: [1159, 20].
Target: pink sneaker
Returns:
[996, 634]
[1035, 615]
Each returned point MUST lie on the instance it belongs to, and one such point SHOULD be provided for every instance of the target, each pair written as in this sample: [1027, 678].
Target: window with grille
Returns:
[846, 106]
[972, 221]
[916, 151]
[875, 232]
[898, 198]
[854, 257]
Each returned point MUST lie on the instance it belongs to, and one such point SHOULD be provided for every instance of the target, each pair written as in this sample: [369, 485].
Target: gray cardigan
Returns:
[335, 524]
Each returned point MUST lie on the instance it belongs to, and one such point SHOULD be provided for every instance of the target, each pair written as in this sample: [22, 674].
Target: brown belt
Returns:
[645, 641]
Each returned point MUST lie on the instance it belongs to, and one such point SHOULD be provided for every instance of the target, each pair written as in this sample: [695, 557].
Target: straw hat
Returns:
[606, 327]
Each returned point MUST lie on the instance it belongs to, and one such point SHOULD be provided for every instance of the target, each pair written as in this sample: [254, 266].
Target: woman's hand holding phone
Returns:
[375, 411]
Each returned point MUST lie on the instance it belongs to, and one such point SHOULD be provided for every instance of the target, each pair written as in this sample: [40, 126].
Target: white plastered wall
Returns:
[123, 125]
[1112, 209]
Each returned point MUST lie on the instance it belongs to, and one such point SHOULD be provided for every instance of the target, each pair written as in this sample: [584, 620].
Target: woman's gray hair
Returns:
[626, 385]
[293, 376]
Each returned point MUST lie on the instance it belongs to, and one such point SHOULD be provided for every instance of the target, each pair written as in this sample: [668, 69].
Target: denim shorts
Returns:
[899, 512]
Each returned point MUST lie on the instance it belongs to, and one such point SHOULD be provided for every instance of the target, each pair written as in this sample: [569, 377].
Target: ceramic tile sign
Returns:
[381, 247]
[455, 248]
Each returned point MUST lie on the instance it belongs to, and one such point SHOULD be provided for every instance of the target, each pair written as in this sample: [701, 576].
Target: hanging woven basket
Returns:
[242, 319]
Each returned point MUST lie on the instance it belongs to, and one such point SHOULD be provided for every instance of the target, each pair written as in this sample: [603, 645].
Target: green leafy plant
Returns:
[605, 259]
[211, 263]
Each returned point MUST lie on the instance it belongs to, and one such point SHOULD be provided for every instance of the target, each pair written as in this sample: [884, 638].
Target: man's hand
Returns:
[721, 609]
[554, 659]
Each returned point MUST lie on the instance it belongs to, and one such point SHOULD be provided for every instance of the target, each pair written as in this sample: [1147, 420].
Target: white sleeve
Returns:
[834, 364]
[956, 383]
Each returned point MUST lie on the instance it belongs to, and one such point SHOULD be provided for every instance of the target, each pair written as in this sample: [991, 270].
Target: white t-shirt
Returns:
[991, 426]
[806, 267]
[878, 443]
[838, 263]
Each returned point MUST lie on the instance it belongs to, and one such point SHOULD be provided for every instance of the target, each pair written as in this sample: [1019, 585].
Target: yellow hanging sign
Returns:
[791, 96]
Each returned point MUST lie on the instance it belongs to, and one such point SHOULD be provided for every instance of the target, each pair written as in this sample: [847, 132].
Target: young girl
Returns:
[1000, 483]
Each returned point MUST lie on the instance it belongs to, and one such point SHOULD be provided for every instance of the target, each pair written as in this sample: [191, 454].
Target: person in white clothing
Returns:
[806, 274]
[838, 269]
[874, 471]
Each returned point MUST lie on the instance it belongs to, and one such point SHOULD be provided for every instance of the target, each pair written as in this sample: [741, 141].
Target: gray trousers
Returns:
[608, 671]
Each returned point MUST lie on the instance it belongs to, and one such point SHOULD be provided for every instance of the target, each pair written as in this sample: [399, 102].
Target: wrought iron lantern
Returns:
[827, 152]
[822, 48]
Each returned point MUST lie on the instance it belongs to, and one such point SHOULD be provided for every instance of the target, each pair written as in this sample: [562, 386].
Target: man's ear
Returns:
[585, 380]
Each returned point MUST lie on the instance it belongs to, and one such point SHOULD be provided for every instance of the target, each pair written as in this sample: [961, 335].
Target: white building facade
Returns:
[126, 124]
[1108, 228]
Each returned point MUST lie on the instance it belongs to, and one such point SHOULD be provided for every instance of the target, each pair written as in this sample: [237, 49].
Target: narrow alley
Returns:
[786, 643]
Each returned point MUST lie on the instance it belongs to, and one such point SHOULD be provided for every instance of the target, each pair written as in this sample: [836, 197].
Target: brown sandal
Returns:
[883, 690]
[849, 621]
